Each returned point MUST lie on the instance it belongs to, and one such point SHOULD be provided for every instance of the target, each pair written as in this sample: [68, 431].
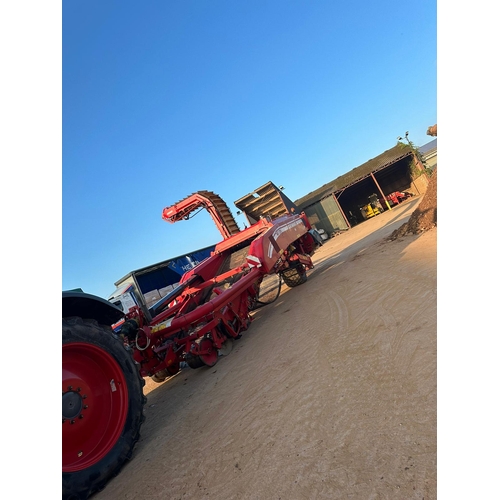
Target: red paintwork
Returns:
[90, 368]
[217, 209]
[272, 245]
[205, 311]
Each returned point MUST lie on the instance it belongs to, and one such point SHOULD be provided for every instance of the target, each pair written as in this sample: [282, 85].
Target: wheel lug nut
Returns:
[72, 422]
[85, 407]
[64, 420]
[70, 387]
[78, 389]
[80, 416]
[84, 396]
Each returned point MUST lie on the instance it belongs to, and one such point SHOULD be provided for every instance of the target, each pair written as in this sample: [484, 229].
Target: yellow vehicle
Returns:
[369, 211]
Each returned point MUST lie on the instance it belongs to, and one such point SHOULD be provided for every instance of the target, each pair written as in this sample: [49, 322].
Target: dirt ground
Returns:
[331, 393]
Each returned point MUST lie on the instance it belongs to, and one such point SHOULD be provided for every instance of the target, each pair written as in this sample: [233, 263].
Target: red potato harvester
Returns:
[103, 372]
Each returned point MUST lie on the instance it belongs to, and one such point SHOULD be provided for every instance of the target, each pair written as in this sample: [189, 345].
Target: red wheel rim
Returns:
[210, 357]
[95, 405]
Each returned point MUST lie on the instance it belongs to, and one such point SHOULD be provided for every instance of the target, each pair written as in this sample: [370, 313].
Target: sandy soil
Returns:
[331, 393]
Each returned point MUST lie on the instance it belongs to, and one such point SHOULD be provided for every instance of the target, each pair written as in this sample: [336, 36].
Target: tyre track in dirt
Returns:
[380, 354]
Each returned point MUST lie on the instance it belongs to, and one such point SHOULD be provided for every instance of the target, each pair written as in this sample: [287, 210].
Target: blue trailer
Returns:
[144, 287]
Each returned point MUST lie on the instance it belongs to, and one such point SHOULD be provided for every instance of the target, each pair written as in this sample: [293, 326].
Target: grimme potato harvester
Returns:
[103, 373]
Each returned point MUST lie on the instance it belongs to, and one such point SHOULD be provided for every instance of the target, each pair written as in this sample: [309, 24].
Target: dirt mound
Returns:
[425, 215]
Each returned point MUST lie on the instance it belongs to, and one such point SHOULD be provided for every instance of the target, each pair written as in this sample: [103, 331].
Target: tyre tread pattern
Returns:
[294, 276]
[80, 485]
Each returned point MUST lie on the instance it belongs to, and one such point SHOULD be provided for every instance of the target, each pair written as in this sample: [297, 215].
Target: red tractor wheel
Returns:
[102, 408]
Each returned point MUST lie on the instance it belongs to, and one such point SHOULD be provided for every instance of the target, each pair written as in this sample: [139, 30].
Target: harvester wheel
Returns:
[194, 361]
[208, 359]
[294, 276]
[226, 347]
[212, 356]
[159, 377]
[162, 375]
[102, 408]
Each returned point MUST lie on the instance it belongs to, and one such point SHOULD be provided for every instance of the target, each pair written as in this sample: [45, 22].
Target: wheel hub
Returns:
[72, 404]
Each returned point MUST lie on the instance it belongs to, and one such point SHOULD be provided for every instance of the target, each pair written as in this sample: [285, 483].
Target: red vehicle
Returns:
[397, 197]
[103, 372]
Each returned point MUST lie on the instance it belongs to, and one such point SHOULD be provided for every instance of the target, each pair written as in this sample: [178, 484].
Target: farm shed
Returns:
[337, 205]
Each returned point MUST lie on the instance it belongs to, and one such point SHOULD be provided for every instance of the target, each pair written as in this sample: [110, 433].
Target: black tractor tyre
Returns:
[103, 405]
[294, 276]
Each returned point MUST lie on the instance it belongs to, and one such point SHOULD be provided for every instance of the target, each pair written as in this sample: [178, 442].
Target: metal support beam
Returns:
[380, 190]
[341, 211]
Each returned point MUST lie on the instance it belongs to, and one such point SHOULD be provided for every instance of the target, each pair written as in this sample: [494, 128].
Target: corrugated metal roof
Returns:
[428, 147]
[356, 174]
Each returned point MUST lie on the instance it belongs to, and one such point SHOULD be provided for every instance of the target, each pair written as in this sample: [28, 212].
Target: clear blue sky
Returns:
[162, 99]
